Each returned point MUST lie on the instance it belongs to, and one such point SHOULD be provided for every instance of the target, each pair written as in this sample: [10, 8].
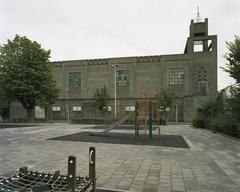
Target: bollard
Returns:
[56, 175]
[92, 166]
[23, 169]
[71, 177]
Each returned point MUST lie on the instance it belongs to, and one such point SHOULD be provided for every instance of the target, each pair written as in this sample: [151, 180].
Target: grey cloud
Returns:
[79, 29]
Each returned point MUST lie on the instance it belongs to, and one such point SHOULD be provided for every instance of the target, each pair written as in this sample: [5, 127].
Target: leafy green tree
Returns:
[165, 99]
[233, 58]
[26, 73]
[233, 68]
[4, 103]
[233, 102]
[101, 98]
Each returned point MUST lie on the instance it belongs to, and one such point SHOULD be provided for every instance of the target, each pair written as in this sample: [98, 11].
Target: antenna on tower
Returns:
[198, 18]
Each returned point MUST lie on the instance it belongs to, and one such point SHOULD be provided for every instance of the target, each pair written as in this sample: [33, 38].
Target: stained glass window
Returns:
[122, 78]
[74, 80]
[176, 76]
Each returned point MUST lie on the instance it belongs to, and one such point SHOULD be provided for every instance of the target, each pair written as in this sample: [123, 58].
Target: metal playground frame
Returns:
[34, 181]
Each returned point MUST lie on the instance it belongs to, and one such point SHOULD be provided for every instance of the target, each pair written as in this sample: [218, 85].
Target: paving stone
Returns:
[212, 164]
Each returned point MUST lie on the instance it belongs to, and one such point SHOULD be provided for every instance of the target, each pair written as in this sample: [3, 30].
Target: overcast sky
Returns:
[83, 29]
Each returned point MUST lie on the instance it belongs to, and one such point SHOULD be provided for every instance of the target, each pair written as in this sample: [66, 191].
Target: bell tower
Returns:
[199, 40]
[199, 27]
[202, 49]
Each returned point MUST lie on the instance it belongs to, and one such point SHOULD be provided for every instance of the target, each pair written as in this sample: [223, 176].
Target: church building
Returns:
[192, 75]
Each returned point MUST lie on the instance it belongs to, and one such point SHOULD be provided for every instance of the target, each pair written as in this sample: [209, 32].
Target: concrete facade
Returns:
[191, 75]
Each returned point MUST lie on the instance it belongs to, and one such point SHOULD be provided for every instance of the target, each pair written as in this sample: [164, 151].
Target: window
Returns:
[39, 112]
[198, 46]
[176, 76]
[130, 108]
[109, 108]
[122, 78]
[56, 108]
[209, 45]
[74, 80]
[77, 108]
[203, 88]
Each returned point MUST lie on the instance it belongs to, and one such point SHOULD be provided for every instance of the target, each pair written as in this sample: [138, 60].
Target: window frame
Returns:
[56, 108]
[77, 108]
[173, 79]
[123, 82]
[69, 85]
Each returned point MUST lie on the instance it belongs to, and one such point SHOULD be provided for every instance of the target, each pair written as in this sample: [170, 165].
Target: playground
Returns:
[117, 161]
[145, 131]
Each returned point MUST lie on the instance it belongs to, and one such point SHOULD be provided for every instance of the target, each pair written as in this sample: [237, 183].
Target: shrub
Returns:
[19, 120]
[224, 124]
[200, 122]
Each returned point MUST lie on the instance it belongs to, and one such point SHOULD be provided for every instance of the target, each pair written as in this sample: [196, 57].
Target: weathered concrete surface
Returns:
[212, 164]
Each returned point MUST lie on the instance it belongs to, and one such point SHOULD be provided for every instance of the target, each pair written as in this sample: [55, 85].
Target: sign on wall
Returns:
[39, 112]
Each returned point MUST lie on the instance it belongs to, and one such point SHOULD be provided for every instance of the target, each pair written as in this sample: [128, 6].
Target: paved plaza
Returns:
[211, 164]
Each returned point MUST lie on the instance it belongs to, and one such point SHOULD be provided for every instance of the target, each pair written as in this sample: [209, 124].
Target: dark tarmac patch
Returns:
[7, 126]
[125, 138]
[120, 127]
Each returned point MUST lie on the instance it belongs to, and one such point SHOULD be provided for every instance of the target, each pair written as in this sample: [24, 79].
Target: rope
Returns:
[31, 180]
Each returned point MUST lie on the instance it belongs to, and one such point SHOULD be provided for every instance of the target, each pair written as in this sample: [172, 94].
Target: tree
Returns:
[4, 102]
[233, 58]
[233, 68]
[233, 102]
[165, 99]
[101, 98]
[26, 73]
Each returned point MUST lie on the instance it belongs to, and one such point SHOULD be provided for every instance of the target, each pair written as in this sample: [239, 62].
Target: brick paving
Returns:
[212, 164]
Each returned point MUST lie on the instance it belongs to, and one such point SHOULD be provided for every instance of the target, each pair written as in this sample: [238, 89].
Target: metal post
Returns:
[66, 93]
[92, 166]
[56, 175]
[115, 89]
[23, 170]
[150, 120]
[66, 104]
[136, 120]
[71, 178]
[176, 113]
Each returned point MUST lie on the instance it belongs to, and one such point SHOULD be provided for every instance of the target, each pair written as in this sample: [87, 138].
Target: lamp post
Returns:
[67, 105]
[115, 88]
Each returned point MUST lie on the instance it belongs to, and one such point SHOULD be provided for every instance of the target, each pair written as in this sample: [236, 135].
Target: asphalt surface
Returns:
[125, 138]
[7, 126]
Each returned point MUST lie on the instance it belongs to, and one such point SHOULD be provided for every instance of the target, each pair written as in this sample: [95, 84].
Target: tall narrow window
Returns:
[74, 80]
[122, 78]
[176, 76]
[203, 88]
